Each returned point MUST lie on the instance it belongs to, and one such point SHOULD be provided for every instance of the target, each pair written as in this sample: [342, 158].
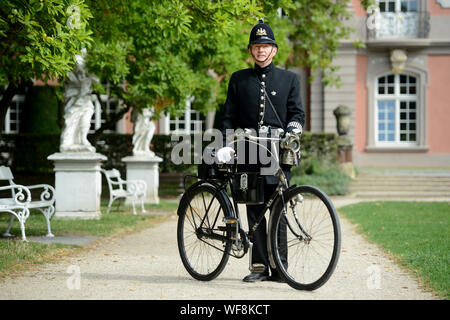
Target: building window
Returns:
[14, 113]
[400, 19]
[398, 5]
[396, 110]
[13, 116]
[190, 122]
[110, 105]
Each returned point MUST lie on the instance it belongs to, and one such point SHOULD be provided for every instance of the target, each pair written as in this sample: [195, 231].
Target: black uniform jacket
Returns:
[248, 107]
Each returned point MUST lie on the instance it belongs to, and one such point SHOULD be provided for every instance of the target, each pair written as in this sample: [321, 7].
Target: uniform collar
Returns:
[264, 70]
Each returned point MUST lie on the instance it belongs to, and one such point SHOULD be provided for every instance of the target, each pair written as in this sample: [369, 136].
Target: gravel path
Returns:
[146, 265]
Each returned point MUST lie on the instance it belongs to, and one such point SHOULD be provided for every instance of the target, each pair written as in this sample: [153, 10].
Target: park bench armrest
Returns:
[48, 192]
[22, 195]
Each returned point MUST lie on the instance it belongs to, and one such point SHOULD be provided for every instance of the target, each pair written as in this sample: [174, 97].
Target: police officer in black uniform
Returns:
[248, 106]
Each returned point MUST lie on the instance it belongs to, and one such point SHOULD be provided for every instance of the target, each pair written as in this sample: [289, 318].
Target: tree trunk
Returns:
[109, 124]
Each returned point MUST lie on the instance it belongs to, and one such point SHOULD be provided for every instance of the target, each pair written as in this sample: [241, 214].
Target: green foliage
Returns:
[367, 3]
[157, 53]
[170, 50]
[416, 233]
[326, 176]
[31, 150]
[118, 146]
[320, 145]
[38, 38]
[319, 164]
[319, 27]
[41, 111]
[165, 51]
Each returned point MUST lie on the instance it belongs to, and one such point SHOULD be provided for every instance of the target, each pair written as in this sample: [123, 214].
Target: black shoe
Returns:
[256, 276]
[275, 277]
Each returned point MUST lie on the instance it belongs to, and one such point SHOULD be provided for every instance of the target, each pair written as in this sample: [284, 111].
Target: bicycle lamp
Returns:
[290, 146]
[291, 142]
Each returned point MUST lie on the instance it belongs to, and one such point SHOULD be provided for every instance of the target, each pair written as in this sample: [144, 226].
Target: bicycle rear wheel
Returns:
[204, 239]
[305, 238]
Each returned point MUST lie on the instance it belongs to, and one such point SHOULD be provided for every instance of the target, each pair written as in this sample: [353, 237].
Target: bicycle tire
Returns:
[310, 239]
[204, 258]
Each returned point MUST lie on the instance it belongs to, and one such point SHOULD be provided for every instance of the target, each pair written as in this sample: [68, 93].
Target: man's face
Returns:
[263, 52]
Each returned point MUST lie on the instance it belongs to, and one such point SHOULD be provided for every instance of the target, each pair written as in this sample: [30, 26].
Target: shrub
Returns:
[27, 154]
[327, 176]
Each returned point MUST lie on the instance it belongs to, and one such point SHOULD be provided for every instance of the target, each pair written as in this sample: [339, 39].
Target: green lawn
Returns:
[18, 255]
[416, 233]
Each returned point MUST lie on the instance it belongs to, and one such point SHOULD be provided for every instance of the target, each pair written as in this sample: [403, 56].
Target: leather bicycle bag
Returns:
[248, 187]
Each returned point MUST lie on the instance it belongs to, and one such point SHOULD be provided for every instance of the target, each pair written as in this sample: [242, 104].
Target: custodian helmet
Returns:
[262, 33]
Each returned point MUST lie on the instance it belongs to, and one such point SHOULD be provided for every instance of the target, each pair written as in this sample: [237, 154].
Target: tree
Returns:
[158, 53]
[319, 27]
[38, 40]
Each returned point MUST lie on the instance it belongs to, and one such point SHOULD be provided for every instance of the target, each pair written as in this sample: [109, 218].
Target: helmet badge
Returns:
[261, 32]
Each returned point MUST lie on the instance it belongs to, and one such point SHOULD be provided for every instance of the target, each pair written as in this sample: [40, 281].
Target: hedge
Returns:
[28, 153]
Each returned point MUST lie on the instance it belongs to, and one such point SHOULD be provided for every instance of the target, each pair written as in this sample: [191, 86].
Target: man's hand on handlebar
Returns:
[225, 154]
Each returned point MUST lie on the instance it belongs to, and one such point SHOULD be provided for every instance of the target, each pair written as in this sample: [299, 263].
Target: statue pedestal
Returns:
[345, 152]
[145, 168]
[78, 184]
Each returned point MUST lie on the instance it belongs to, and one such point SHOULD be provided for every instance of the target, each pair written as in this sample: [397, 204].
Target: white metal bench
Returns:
[119, 188]
[20, 202]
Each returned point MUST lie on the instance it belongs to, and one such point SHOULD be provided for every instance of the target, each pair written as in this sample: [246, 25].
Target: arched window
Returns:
[396, 110]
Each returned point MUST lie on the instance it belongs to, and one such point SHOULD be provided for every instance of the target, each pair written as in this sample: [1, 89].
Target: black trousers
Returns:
[259, 253]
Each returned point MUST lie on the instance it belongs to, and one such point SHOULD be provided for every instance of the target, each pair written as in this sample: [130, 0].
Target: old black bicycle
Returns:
[304, 236]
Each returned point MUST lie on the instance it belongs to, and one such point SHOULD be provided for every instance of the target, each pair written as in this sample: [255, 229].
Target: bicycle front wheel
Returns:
[305, 238]
[204, 239]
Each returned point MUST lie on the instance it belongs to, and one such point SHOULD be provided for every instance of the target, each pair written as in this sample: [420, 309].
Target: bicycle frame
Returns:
[282, 187]
[210, 220]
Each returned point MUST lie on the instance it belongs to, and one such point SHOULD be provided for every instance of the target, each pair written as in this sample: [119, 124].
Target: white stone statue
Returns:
[144, 128]
[79, 108]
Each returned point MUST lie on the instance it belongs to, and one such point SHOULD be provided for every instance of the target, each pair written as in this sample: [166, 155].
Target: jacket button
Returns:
[261, 105]
[263, 75]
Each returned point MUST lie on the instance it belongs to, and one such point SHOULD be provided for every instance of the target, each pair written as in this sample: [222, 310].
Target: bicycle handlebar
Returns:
[288, 140]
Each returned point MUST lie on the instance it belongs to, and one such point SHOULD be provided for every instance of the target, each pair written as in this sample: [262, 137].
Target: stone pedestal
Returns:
[345, 156]
[145, 168]
[78, 184]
